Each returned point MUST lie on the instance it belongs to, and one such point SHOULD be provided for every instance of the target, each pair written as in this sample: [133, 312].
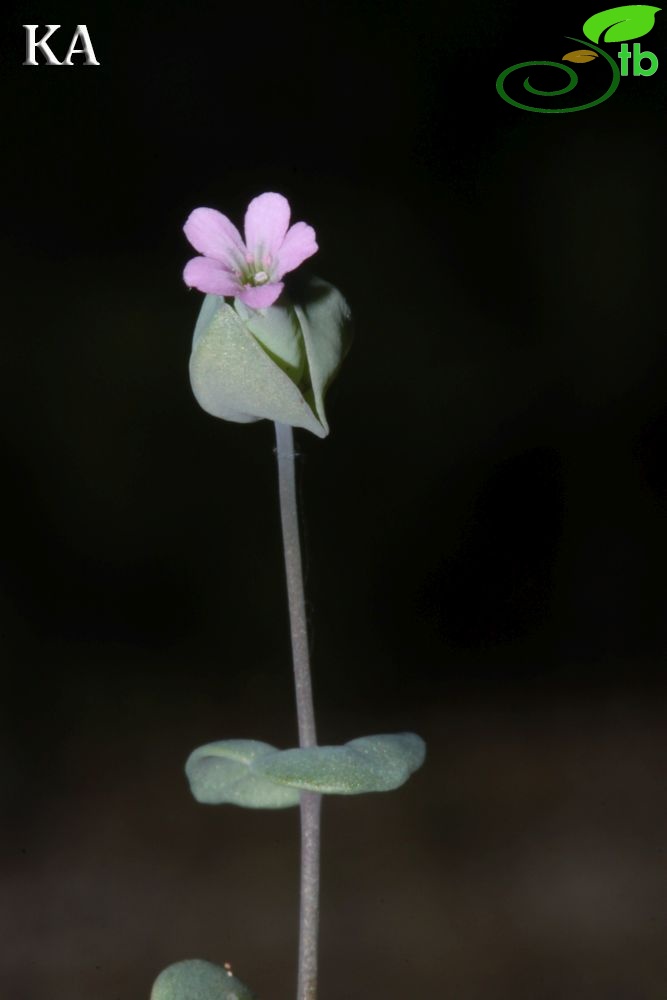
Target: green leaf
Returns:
[279, 333]
[223, 772]
[234, 378]
[368, 764]
[256, 775]
[324, 317]
[195, 979]
[621, 24]
[273, 363]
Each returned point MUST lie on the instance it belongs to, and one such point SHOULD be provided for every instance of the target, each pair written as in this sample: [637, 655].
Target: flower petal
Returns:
[298, 245]
[266, 223]
[210, 276]
[260, 297]
[212, 234]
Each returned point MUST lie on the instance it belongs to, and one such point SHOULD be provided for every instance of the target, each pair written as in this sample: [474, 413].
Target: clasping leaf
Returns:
[223, 772]
[256, 775]
[275, 363]
[368, 764]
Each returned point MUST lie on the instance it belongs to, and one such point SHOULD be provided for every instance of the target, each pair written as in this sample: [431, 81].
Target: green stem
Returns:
[310, 801]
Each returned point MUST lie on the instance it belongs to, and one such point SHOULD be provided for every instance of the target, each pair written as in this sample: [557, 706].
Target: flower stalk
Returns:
[310, 801]
[260, 354]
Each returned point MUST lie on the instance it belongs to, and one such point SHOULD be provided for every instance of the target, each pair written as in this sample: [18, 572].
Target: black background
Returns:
[485, 527]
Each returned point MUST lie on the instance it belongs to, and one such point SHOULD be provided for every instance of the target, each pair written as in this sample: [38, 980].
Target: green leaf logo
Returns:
[620, 24]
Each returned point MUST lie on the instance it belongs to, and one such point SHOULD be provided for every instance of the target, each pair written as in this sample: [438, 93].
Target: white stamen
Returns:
[261, 277]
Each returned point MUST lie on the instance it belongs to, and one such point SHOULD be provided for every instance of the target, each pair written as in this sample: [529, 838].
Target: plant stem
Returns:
[310, 801]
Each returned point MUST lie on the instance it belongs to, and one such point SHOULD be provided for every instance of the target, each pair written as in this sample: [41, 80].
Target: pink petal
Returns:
[299, 244]
[266, 223]
[260, 297]
[212, 234]
[210, 276]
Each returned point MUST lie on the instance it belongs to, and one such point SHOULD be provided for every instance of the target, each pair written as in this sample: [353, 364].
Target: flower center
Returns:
[254, 271]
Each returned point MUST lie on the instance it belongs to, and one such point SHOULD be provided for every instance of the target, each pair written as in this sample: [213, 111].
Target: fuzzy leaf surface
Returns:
[257, 775]
[223, 773]
[234, 378]
[195, 979]
[368, 764]
[275, 363]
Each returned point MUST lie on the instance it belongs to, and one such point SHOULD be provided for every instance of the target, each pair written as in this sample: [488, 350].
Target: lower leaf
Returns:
[256, 775]
[195, 979]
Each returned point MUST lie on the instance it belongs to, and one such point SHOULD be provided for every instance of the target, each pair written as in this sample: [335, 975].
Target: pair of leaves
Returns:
[620, 24]
[195, 979]
[274, 363]
[256, 775]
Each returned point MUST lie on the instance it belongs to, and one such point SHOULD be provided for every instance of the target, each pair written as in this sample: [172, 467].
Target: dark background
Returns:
[485, 527]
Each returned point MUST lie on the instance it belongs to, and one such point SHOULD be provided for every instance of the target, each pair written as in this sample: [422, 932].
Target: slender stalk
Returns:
[310, 801]
[310, 895]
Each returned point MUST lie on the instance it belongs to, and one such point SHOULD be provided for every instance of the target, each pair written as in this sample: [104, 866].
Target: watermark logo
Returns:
[619, 24]
[36, 47]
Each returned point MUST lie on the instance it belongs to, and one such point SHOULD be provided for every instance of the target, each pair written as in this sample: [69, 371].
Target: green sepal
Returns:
[276, 363]
[195, 979]
[256, 775]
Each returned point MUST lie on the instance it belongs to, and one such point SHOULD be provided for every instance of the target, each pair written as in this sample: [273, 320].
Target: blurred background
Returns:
[485, 528]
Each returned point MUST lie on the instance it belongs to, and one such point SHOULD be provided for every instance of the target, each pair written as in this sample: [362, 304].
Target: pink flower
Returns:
[250, 271]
